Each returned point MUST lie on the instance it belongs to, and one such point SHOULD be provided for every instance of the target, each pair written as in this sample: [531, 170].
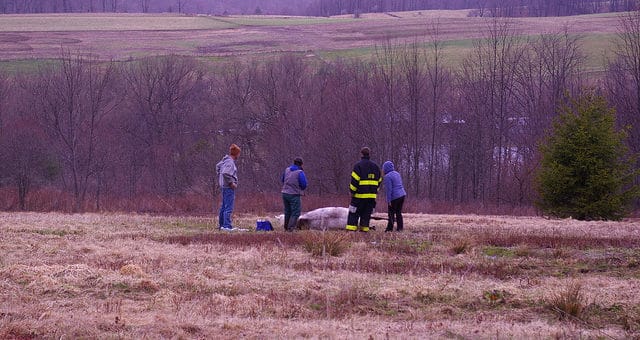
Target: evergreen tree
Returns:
[586, 171]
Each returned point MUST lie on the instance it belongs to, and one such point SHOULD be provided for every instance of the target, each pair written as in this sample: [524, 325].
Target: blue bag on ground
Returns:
[263, 225]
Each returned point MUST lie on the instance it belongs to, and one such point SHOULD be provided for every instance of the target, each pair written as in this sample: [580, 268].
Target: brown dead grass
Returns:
[141, 276]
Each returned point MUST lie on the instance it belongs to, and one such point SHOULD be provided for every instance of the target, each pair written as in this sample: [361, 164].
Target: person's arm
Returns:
[227, 175]
[302, 180]
[355, 180]
[229, 180]
[388, 187]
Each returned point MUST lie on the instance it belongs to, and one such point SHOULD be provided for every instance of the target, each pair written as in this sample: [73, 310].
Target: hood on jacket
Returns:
[387, 167]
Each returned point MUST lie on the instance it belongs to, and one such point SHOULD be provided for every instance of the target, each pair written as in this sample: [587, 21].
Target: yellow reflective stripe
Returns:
[355, 175]
[369, 182]
[365, 195]
[365, 229]
[352, 228]
[352, 187]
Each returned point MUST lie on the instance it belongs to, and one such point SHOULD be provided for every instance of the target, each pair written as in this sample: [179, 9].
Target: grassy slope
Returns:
[121, 36]
[139, 276]
[107, 22]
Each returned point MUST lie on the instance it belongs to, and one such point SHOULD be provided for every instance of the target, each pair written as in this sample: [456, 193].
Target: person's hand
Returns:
[233, 186]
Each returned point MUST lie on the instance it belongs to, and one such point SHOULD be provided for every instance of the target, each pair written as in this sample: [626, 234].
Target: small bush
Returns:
[570, 302]
[325, 243]
[495, 296]
[460, 245]
[356, 299]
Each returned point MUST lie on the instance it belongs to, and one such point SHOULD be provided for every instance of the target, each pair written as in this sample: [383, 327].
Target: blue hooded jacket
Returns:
[392, 182]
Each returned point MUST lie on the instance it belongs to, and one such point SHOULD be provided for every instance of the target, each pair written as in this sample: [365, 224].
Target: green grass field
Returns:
[596, 47]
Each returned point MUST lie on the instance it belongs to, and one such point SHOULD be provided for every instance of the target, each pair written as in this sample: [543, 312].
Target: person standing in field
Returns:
[395, 193]
[228, 182]
[294, 182]
[365, 181]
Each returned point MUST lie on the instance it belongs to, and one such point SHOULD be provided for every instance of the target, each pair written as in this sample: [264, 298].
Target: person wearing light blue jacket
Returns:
[293, 184]
[395, 195]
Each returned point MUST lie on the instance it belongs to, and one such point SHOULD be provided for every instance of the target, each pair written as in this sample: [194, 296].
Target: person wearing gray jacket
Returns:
[228, 181]
[294, 182]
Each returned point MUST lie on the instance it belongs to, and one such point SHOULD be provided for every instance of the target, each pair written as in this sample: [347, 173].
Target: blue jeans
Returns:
[224, 217]
[292, 207]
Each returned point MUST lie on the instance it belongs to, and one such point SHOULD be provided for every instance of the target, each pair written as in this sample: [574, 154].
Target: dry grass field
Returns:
[122, 36]
[447, 276]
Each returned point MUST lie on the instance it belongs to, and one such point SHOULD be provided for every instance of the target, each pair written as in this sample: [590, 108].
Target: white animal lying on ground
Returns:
[328, 218]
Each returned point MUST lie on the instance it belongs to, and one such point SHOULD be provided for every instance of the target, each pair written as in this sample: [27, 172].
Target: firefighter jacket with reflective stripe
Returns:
[365, 179]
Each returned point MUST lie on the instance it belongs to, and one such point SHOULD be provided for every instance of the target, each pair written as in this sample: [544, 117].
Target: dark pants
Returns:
[226, 208]
[292, 208]
[395, 213]
[359, 219]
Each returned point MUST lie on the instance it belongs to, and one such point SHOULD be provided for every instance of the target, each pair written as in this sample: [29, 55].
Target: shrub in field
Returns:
[586, 171]
[460, 245]
[355, 298]
[570, 302]
[325, 243]
[495, 296]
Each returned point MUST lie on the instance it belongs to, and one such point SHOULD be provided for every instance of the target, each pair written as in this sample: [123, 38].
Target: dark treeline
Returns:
[288, 7]
[101, 133]
[545, 8]
[509, 8]
[321, 7]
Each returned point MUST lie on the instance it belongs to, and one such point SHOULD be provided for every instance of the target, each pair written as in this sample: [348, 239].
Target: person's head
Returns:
[387, 167]
[365, 152]
[234, 151]
[297, 161]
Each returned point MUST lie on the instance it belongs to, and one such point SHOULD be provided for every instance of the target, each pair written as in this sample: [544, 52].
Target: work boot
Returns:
[293, 224]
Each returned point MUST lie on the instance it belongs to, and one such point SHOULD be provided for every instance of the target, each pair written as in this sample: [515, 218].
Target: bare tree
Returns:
[181, 5]
[21, 143]
[414, 78]
[26, 162]
[437, 86]
[5, 87]
[72, 100]
[284, 88]
[165, 121]
[549, 70]
[623, 77]
[345, 119]
[237, 99]
[492, 67]
[388, 73]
